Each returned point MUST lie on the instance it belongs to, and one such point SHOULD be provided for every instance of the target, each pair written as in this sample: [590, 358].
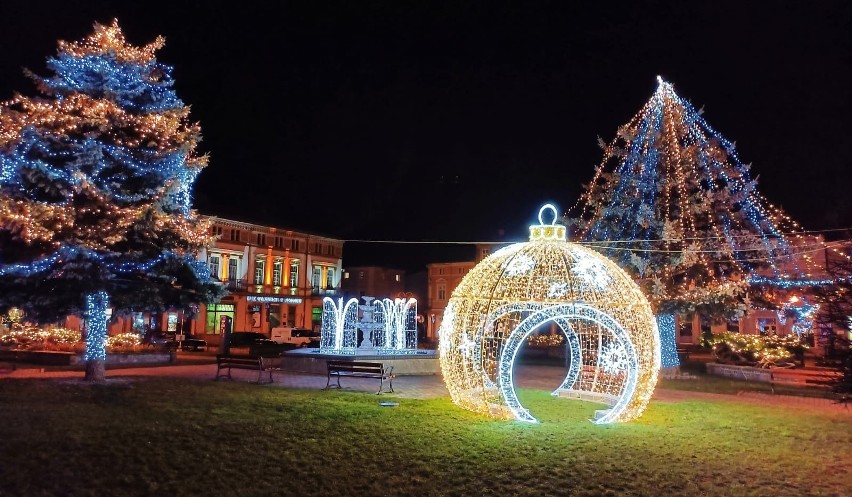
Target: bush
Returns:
[755, 350]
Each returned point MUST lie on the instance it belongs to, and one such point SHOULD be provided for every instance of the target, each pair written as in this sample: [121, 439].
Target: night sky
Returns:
[455, 121]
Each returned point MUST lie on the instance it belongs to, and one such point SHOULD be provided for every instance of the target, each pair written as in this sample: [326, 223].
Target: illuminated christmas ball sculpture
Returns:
[607, 321]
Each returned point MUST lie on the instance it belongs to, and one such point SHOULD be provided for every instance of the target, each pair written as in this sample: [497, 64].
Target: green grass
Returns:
[184, 438]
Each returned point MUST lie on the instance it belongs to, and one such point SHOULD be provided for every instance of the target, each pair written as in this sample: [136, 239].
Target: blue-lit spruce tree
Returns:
[674, 205]
[96, 177]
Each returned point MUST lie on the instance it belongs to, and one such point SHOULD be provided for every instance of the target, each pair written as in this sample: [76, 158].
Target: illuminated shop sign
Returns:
[273, 299]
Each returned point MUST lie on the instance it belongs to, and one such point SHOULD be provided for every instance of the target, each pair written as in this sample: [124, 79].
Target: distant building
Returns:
[442, 279]
[373, 281]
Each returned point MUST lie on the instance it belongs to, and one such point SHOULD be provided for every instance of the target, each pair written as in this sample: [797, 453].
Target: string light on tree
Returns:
[96, 178]
[674, 205]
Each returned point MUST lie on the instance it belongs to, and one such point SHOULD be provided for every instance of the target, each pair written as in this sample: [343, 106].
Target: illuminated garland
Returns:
[668, 341]
[96, 326]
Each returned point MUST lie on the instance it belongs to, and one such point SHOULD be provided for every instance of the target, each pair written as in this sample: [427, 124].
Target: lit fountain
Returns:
[388, 334]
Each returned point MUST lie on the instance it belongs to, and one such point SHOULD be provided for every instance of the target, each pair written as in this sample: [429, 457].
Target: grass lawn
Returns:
[184, 438]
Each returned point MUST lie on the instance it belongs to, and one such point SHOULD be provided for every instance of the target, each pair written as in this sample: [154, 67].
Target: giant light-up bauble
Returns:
[610, 329]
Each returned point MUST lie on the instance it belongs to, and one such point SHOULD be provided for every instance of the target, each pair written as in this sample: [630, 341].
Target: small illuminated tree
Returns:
[95, 191]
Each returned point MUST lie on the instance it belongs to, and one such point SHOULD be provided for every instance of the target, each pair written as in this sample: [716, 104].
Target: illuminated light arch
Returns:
[611, 332]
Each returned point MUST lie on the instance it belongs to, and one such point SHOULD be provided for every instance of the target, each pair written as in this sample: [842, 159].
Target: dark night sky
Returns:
[447, 121]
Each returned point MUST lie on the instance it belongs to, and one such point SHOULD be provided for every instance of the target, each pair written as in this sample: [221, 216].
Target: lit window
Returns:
[277, 271]
[346, 275]
[396, 277]
[259, 270]
[214, 266]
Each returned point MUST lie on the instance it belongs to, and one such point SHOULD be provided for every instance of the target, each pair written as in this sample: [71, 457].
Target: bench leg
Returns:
[220, 375]
[328, 384]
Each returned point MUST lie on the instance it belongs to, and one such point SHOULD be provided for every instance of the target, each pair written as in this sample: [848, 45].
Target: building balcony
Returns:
[235, 285]
[325, 292]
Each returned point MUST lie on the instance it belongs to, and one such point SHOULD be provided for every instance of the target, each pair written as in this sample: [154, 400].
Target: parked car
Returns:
[157, 340]
[190, 343]
[299, 337]
[246, 338]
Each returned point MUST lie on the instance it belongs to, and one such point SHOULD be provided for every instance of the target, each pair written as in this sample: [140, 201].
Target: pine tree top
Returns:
[109, 40]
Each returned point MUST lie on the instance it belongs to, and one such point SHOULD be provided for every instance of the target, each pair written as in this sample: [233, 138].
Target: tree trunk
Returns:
[95, 370]
[96, 332]
[668, 341]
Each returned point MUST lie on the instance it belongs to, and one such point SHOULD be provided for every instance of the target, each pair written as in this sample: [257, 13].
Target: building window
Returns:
[235, 235]
[294, 245]
[685, 325]
[316, 248]
[294, 273]
[346, 275]
[442, 291]
[485, 252]
[316, 276]
[217, 230]
[214, 266]
[396, 277]
[279, 242]
[767, 326]
[440, 270]
[733, 325]
[361, 275]
[259, 270]
[329, 278]
[277, 272]
[233, 268]
[261, 239]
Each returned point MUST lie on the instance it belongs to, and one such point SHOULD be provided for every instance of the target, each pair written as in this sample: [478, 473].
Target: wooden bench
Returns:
[360, 370]
[260, 364]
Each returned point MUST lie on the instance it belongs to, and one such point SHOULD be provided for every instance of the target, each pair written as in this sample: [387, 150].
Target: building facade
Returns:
[442, 278]
[274, 276]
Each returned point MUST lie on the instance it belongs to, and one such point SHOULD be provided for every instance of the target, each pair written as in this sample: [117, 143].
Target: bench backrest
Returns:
[237, 360]
[356, 367]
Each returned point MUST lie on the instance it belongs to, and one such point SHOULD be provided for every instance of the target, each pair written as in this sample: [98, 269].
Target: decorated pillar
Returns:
[224, 269]
[267, 277]
[286, 268]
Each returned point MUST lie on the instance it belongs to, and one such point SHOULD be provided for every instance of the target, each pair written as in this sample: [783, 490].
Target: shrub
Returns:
[755, 350]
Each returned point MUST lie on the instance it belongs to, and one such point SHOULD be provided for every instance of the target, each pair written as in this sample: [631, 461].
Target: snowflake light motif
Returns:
[557, 290]
[591, 270]
[466, 347]
[614, 358]
[520, 265]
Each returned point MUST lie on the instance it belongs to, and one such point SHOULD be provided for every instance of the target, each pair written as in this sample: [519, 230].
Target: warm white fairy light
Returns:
[608, 323]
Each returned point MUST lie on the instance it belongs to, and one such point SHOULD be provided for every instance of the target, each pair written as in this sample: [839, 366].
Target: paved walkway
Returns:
[426, 387]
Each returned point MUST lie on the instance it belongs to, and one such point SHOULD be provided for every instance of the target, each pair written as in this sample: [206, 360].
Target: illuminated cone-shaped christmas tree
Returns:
[673, 204]
[95, 191]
